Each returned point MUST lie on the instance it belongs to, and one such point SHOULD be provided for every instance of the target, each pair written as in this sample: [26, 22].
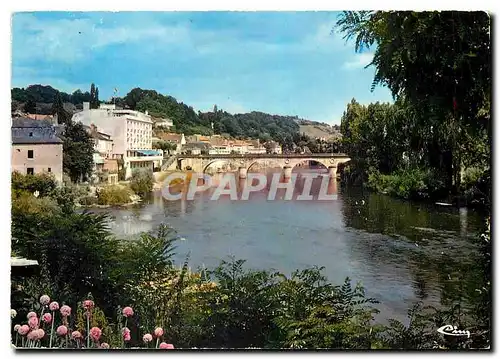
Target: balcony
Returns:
[145, 155]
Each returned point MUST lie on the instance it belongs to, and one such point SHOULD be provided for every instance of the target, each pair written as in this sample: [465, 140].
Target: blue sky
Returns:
[277, 62]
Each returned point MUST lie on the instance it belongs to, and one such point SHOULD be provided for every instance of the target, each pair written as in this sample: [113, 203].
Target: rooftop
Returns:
[29, 131]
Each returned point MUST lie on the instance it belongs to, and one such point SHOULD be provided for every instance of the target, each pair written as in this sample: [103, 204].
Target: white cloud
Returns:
[66, 40]
[359, 61]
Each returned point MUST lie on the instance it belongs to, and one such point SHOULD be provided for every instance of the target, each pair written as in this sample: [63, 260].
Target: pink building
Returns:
[36, 148]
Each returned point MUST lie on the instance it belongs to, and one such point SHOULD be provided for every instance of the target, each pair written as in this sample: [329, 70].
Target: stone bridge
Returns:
[209, 163]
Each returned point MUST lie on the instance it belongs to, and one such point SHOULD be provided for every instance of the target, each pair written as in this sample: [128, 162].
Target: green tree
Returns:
[142, 182]
[97, 102]
[94, 96]
[58, 109]
[78, 151]
[42, 183]
[440, 63]
[30, 106]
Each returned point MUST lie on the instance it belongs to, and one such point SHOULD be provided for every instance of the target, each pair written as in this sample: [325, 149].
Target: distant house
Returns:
[174, 138]
[104, 163]
[36, 148]
[196, 148]
[163, 123]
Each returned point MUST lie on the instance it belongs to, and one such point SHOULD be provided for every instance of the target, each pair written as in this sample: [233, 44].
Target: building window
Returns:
[30, 171]
[49, 169]
[30, 153]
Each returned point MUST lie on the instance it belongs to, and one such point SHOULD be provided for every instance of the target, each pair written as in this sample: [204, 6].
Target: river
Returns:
[400, 251]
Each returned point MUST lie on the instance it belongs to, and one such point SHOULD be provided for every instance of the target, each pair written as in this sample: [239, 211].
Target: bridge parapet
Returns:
[200, 163]
[270, 156]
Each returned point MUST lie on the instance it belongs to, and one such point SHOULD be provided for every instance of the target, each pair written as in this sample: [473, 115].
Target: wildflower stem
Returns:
[17, 335]
[22, 341]
[52, 330]
[123, 337]
[157, 341]
[88, 329]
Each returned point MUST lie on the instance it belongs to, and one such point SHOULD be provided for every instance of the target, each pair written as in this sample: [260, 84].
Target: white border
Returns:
[8, 7]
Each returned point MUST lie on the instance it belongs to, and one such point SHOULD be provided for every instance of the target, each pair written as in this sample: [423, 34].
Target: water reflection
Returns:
[400, 251]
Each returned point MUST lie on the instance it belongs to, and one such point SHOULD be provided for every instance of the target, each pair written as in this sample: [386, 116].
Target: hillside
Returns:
[286, 130]
[319, 130]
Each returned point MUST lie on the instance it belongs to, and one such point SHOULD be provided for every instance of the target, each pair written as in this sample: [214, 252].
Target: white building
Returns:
[219, 150]
[131, 132]
[256, 150]
[164, 123]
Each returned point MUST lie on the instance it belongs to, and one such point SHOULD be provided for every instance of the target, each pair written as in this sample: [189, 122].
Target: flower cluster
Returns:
[42, 332]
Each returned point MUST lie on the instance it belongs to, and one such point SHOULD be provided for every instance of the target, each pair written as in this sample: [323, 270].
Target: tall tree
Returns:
[96, 100]
[30, 106]
[440, 62]
[78, 151]
[94, 96]
[58, 109]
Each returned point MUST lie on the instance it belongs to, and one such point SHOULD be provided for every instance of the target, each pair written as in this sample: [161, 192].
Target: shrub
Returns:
[27, 204]
[407, 184]
[142, 182]
[88, 200]
[44, 183]
[114, 195]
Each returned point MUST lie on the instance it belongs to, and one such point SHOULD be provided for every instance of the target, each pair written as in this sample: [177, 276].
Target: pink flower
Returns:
[44, 299]
[158, 332]
[31, 314]
[170, 346]
[147, 338]
[40, 333]
[33, 335]
[128, 312]
[54, 306]
[104, 346]
[88, 304]
[65, 311]
[62, 330]
[164, 345]
[24, 329]
[76, 335]
[95, 333]
[126, 334]
[33, 322]
[47, 318]
[16, 327]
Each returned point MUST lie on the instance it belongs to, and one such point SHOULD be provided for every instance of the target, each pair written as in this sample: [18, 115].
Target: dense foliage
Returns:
[46, 94]
[438, 67]
[114, 195]
[249, 125]
[142, 182]
[230, 306]
[78, 151]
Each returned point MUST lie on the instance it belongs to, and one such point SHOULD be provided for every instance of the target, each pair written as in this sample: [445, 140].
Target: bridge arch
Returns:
[225, 161]
[276, 164]
[324, 161]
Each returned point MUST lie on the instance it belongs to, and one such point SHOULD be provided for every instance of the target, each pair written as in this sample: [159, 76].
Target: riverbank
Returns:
[422, 186]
